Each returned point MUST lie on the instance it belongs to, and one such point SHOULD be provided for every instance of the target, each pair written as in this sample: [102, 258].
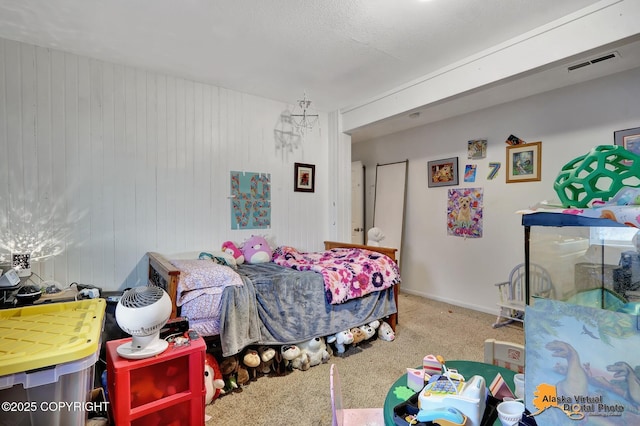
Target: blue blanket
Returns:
[288, 307]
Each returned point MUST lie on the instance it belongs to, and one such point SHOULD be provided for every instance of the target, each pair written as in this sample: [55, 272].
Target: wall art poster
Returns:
[582, 360]
[476, 149]
[464, 213]
[470, 172]
[250, 200]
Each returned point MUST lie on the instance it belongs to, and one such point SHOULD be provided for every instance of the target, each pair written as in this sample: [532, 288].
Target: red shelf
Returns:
[166, 388]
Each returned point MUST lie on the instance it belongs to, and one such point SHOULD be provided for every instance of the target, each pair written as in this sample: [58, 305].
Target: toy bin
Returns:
[47, 360]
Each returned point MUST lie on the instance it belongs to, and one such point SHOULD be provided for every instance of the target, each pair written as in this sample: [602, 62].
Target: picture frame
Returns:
[304, 177]
[524, 162]
[442, 172]
[629, 139]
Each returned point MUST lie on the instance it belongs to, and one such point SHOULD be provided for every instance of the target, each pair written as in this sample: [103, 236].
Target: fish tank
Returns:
[594, 262]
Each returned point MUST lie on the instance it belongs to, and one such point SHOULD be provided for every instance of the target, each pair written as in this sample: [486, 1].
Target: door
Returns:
[357, 202]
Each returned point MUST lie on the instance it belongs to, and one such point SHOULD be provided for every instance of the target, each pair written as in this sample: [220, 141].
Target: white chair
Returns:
[351, 416]
[504, 354]
[512, 292]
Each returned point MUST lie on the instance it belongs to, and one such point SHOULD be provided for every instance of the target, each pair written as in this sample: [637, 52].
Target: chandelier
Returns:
[302, 120]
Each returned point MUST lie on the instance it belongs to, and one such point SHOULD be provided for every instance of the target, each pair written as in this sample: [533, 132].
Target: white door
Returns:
[357, 202]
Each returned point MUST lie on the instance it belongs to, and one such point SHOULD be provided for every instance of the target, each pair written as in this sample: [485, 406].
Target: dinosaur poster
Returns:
[582, 365]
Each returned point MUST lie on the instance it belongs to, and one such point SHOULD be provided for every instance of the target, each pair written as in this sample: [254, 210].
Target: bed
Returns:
[271, 304]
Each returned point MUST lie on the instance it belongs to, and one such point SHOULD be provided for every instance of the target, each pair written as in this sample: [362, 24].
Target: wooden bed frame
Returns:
[163, 274]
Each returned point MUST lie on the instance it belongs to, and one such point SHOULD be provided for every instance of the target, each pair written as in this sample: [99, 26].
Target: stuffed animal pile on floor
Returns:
[226, 375]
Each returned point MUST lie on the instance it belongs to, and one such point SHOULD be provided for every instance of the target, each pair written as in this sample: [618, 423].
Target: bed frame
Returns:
[163, 274]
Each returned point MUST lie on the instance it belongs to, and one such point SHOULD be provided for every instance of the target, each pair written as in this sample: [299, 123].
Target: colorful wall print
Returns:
[470, 172]
[250, 200]
[476, 149]
[464, 213]
[494, 167]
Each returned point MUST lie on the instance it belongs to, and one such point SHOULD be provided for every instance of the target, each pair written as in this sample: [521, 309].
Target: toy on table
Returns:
[443, 416]
[256, 250]
[468, 397]
[415, 379]
[341, 339]
[431, 365]
[386, 333]
[500, 389]
[229, 247]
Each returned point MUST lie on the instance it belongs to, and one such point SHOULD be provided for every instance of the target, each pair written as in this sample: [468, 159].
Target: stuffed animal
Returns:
[316, 349]
[374, 236]
[358, 335]
[267, 359]
[229, 370]
[256, 250]
[295, 357]
[370, 329]
[251, 360]
[340, 339]
[230, 248]
[385, 332]
[213, 381]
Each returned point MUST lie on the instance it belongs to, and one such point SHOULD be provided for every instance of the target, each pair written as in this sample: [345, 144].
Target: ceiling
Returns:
[340, 52]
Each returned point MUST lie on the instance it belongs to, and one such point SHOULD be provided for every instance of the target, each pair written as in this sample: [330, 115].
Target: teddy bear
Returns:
[256, 250]
[229, 247]
[316, 349]
[374, 236]
[358, 335]
[213, 381]
[341, 339]
[385, 332]
[295, 357]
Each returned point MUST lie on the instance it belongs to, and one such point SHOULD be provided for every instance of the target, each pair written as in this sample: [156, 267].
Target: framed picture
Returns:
[524, 162]
[443, 172]
[304, 177]
[629, 139]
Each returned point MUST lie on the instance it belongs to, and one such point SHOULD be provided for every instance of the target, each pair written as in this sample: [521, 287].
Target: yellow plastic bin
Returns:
[47, 359]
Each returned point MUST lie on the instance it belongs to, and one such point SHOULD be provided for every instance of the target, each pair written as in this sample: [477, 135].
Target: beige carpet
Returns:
[302, 398]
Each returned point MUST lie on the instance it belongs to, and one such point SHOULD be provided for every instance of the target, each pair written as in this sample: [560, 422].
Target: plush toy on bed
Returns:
[229, 247]
[256, 250]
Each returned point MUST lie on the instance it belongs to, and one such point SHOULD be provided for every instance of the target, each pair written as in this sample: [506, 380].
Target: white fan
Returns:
[142, 312]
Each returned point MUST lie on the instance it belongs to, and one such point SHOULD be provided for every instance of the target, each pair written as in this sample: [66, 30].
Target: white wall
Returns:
[100, 163]
[569, 122]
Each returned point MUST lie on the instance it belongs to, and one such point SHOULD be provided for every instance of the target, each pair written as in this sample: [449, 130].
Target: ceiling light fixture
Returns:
[301, 119]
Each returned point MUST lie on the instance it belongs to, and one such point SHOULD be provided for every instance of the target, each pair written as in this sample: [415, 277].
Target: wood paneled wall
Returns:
[100, 163]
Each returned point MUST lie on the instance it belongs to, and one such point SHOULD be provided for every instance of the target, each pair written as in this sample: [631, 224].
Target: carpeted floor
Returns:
[302, 398]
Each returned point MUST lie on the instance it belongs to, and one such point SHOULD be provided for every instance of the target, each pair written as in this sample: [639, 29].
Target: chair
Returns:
[504, 354]
[351, 416]
[512, 292]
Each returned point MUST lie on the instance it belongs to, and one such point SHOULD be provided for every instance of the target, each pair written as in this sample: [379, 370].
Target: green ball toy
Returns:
[598, 175]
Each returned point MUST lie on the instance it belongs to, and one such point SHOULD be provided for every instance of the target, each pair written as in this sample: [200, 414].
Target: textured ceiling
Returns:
[341, 52]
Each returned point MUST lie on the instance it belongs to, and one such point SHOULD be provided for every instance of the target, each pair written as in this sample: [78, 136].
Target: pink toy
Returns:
[431, 365]
[230, 248]
[256, 250]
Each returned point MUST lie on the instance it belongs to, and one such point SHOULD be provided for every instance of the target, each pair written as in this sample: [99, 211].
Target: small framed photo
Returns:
[524, 162]
[476, 149]
[443, 172]
[304, 177]
[629, 139]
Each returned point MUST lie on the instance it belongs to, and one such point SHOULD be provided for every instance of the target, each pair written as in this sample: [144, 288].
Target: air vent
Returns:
[602, 58]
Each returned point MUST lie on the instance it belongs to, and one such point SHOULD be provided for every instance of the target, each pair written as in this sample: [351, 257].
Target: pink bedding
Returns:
[348, 273]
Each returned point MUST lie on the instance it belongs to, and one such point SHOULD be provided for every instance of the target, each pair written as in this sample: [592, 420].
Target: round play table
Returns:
[466, 368]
